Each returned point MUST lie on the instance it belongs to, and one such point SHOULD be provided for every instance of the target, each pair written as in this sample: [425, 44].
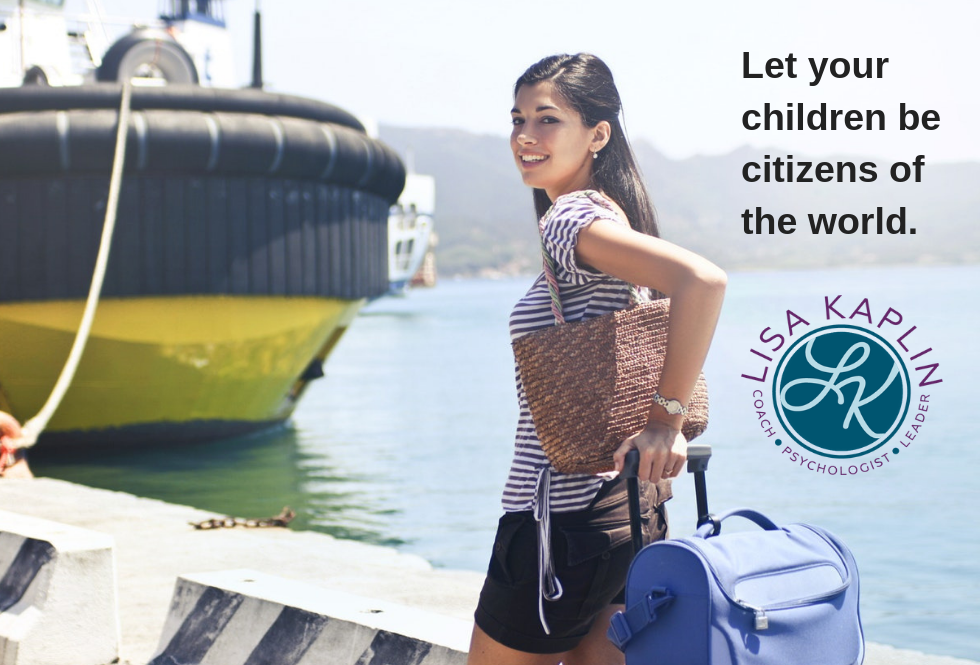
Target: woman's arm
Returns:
[696, 288]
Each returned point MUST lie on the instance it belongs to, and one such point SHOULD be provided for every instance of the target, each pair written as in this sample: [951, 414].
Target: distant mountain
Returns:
[486, 223]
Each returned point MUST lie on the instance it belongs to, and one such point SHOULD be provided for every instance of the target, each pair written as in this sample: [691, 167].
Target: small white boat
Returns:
[410, 230]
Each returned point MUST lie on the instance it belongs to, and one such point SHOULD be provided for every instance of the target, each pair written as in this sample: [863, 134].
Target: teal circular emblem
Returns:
[841, 391]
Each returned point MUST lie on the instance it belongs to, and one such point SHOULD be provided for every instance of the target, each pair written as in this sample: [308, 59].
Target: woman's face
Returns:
[551, 144]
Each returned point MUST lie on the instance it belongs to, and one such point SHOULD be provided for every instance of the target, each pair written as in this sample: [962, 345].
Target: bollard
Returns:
[57, 594]
[242, 617]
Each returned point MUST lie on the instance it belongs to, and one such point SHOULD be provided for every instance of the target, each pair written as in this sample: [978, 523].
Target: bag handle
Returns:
[713, 527]
[548, 263]
[549, 273]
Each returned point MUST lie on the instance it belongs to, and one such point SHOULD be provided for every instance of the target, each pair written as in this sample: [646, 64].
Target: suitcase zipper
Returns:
[761, 619]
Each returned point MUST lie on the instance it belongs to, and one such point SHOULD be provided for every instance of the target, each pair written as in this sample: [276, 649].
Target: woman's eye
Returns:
[517, 121]
[549, 120]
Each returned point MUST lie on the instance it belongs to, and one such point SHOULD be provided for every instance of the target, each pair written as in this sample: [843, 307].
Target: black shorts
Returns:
[592, 552]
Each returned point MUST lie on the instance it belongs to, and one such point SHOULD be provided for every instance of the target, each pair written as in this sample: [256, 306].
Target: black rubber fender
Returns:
[175, 98]
[186, 234]
[81, 141]
[390, 172]
[147, 46]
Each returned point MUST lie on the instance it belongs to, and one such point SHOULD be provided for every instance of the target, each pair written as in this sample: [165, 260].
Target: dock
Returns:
[154, 544]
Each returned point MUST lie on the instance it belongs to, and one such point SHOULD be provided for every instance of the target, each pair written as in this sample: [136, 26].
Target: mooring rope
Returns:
[33, 427]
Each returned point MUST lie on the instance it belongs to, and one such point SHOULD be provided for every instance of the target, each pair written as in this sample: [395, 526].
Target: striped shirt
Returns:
[585, 293]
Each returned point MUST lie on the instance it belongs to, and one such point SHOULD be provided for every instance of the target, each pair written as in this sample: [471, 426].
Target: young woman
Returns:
[562, 548]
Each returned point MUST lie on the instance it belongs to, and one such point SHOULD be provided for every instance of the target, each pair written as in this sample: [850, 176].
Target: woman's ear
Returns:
[601, 134]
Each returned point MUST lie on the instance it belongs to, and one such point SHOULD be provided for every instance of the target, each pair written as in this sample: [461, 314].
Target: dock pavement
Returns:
[154, 543]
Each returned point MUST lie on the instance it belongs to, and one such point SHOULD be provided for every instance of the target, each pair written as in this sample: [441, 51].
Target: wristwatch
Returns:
[671, 406]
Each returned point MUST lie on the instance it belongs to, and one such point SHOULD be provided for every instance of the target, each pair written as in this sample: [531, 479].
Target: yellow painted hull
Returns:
[178, 366]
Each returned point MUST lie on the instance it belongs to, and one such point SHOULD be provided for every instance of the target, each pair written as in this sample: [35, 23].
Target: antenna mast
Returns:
[257, 50]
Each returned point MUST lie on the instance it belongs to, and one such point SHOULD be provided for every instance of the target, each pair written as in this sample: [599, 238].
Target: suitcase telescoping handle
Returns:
[698, 455]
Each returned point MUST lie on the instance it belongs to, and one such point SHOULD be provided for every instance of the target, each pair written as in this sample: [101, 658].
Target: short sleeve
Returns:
[570, 214]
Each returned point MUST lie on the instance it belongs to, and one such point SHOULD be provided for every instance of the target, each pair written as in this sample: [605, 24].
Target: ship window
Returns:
[208, 10]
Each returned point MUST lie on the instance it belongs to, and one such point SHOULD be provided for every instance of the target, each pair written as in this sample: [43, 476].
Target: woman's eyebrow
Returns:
[546, 107]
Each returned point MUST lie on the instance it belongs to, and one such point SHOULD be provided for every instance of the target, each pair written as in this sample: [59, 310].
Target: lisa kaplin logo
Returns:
[846, 395]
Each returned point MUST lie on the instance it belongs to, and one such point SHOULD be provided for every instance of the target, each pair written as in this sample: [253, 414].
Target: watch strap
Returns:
[670, 405]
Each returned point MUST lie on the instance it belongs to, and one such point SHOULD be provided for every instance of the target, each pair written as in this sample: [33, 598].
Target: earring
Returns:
[595, 154]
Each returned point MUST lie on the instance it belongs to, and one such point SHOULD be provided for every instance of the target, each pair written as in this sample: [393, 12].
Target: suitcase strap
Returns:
[624, 625]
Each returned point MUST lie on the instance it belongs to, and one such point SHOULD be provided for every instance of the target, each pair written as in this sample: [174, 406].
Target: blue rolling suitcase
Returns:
[785, 595]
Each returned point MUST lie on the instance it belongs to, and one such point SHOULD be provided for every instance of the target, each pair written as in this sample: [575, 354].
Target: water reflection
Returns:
[252, 476]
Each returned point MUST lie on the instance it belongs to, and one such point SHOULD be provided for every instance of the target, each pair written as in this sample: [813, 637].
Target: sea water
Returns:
[407, 441]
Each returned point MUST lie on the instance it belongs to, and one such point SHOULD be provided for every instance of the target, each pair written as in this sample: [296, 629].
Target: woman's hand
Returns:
[663, 452]
[14, 463]
[9, 428]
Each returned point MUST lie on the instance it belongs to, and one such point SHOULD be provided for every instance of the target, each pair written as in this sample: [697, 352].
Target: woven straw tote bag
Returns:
[590, 384]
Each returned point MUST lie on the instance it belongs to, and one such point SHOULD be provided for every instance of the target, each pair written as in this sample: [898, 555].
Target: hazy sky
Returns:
[678, 64]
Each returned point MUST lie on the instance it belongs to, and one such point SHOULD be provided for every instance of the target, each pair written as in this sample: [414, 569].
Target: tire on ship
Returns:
[145, 51]
[35, 76]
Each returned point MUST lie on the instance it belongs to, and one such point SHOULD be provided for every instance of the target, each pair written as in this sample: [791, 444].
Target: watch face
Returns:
[671, 406]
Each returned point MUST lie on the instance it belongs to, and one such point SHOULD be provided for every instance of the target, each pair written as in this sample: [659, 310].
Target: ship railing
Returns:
[89, 34]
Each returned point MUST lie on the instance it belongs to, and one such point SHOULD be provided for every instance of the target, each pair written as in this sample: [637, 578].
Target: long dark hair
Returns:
[586, 84]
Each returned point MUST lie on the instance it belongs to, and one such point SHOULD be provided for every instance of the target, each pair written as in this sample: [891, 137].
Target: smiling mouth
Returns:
[532, 159]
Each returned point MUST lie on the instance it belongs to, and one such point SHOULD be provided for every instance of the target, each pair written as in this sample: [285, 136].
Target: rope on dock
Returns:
[33, 428]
